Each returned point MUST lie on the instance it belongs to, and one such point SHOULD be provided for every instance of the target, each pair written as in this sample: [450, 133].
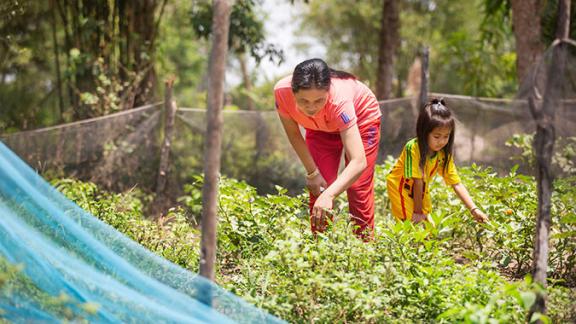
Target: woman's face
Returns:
[438, 138]
[311, 101]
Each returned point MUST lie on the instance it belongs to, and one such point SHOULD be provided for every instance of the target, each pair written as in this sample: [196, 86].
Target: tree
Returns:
[109, 49]
[534, 25]
[213, 139]
[527, 31]
[462, 60]
[350, 32]
[66, 60]
[24, 65]
[389, 43]
[180, 53]
[246, 37]
[527, 28]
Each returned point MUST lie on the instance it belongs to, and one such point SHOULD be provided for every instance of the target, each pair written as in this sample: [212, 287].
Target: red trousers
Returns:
[326, 150]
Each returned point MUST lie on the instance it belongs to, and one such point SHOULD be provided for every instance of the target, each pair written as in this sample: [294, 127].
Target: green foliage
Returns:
[563, 161]
[549, 16]
[182, 55]
[260, 95]
[106, 97]
[453, 270]
[25, 66]
[484, 60]
[248, 222]
[246, 33]
[349, 30]
[104, 63]
[254, 150]
[467, 55]
[508, 239]
[15, 285]
[172, 237]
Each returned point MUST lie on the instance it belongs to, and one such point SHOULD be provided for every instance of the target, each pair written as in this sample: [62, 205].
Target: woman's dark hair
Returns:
[435, 114]
[315, 73]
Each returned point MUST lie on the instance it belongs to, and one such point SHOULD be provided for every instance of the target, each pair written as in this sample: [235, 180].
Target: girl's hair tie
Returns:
[437, 103]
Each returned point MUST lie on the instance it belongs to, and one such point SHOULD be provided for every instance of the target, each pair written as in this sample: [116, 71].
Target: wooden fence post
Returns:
[544, 148]
[169, 116]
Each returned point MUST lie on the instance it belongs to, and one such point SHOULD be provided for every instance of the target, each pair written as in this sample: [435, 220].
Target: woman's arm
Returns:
[354, 149]
[356, 164]
[297, 141]
[463, 194]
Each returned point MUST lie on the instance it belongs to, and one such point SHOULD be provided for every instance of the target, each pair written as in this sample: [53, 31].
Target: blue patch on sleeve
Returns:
[345, 118]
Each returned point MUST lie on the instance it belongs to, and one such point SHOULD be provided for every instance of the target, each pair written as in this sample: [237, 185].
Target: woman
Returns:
[338, 112]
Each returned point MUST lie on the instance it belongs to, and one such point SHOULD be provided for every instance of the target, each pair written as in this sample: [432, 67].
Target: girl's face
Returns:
[311, 101]
[438, 138]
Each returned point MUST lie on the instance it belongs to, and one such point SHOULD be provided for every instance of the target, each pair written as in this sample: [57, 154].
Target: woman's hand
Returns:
[316, 184]
[479, 215]
[322, 208]
[418, 217]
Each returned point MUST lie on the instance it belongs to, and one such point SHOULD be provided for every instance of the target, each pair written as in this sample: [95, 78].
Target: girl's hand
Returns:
[316, 185]
[320, 211]
[479, 215]
[418, 217]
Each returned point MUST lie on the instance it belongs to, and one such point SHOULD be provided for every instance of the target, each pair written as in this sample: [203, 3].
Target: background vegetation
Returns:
[68, 60]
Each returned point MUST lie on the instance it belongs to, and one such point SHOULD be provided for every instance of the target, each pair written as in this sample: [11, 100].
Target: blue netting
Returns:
[59, 262]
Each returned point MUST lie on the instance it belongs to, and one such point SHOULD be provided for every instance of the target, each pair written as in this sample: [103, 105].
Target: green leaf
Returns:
[564, 235]
[528, 299]
[540, 317]
[505, 261]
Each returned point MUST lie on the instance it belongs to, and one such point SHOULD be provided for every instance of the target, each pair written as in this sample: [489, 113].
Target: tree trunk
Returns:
[246, 80]
[143, 28]
[544, 148]
[424, 80]
[213, 139]
[62, 11]
[528, 34]
[57, 64]
[389, 41]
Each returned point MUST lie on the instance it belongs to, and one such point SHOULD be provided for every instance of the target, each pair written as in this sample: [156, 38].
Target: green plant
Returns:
[450, 270]
[15, 285]
[563, 161]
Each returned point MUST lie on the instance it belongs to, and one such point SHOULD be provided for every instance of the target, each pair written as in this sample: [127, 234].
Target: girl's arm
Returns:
[297, 141]
[463, 194]
[417, 215]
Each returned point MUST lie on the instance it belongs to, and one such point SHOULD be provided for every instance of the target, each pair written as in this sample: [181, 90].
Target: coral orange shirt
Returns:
[350, 102]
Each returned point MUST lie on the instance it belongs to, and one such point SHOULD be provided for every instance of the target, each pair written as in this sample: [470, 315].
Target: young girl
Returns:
[429, 153]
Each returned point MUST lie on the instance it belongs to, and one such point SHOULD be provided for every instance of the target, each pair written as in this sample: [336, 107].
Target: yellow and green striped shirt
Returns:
[400, 181]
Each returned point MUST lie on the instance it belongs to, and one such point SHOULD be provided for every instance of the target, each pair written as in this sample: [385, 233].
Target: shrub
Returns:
[456, 270]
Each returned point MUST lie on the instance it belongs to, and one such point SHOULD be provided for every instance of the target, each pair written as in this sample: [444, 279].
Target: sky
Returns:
[281, 25]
